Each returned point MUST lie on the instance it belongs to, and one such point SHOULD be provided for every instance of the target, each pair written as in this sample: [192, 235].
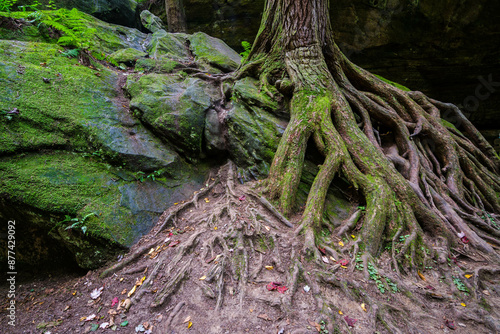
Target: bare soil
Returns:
[207, 267]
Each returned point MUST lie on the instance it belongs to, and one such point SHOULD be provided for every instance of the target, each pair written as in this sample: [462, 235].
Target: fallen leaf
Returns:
[202, 278]
[315, 325]
[463, 304]
[190, 324]
[486, 292]
[125, 323]
[322, 250]
[341, 244]
[215, 228]
[66, 308]
[94, 327]
[340, 312]
[422, 277]
[353, 236]
[331, 258]
[114, 301]
[124, 291]
[90, 317]
[188, 318]
[468, 276]
[307, 288]
[264, 317]
[131, 292]
[242, 198]
[430, 287]
[282, 289]
[363, 306]
[350, 321]
[104, 325]
[343, 267]
[325, 259]
[450, 324]
[272, 286]
[269, 267]
[267, 227]
[174, 243]
[344, 262]
[74, 293]
[96, 293]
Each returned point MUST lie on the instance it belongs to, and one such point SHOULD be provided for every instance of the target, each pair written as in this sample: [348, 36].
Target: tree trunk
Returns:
[176, 19]
[416, 174]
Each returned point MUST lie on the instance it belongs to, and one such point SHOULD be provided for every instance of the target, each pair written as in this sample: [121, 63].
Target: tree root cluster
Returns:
[237, 243]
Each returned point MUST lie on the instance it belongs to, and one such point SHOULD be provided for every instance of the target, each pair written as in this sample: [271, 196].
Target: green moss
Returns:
[395, 84]
[50, 116]
[67, 183]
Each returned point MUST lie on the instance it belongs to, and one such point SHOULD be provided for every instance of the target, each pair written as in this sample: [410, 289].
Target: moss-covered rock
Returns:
[174, 107]
[64, 183]
[127, 56]
[167, 45]
[214, 52]
[151, 22]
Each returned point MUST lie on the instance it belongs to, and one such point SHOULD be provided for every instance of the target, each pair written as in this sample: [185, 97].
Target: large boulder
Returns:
[70, 146]
[175, 107]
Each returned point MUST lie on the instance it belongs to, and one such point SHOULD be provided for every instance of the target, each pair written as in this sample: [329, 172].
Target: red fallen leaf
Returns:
[464, 239]
[344, 262]
[450, 324]
[322, 250]
[272, 286]
[282, 289]
[242, 198]
[174, 243]
[350, 321]
[430, 287]
[114, 301]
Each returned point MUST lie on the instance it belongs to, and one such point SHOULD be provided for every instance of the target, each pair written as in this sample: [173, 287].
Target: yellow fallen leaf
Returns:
[340, 312]
[341, 244]
[463, 304]
[83, 318]
[74, 293]
[131, 292]
[344, 267]
[422, 277]
[124, 291]
[215, 228]
[363, 306]
[353, 236]
[331, 258]
[121, 279]
[468, 276]
[202, 278]
[190, 324]
[269, 267]
[176, 203]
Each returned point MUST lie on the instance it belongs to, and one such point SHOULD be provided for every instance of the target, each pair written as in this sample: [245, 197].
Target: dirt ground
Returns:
[209, 267]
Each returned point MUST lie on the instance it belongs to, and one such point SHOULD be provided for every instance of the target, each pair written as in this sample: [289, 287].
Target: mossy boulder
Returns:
[70, 146]
[127, 56]
[214, 52]
[167, 45]
[174, 107]
[151, 22]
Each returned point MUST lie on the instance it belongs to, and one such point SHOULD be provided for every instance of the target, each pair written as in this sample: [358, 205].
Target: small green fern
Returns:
[70, 23]
[6, 5]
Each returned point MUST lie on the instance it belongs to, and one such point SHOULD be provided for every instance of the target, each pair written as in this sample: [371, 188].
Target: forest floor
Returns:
[222, 262]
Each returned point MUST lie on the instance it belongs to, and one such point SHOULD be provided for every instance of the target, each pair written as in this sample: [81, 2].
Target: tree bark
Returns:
[420, 176]
[176, 19]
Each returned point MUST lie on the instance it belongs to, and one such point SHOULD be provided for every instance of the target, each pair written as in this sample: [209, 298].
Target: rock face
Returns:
[89, 171]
